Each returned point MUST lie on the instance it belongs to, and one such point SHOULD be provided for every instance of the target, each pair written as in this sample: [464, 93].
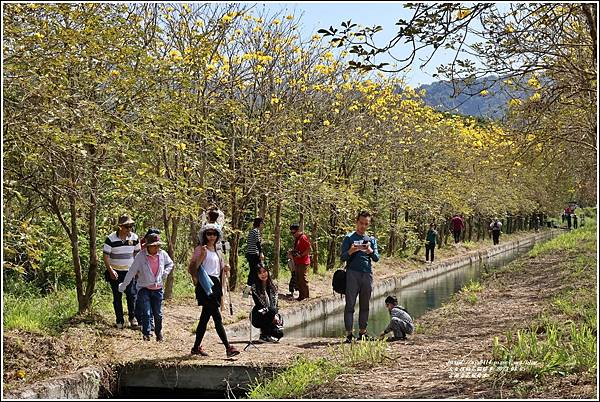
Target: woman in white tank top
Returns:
[208, 258]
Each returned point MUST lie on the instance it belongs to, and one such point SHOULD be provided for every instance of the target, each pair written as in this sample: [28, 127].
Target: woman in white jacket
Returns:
[152, 266]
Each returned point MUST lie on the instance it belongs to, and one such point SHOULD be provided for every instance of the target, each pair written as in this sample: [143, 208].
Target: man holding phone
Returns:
[358, 250]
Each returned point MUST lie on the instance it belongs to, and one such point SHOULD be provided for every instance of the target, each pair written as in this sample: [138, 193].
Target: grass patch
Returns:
[563, 340]
[467, 293]
[554, 347]
[39, 314]
[28, 310]
[579, 240]
[305, 374]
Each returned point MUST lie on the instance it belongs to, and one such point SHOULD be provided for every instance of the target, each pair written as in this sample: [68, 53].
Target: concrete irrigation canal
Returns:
[171, 372]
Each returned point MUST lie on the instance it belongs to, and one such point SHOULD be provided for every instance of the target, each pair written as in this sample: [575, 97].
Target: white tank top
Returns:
[212, 264]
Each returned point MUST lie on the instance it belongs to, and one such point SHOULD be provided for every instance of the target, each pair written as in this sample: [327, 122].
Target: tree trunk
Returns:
[234, 241]
[171, 236]
[470, 223]
[277, 241]
[262, 206]
[315, 245]
[92, 235]
[392, 235]
[331, 246]
[82, 307]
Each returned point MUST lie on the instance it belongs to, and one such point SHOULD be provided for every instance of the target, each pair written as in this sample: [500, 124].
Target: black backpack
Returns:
[339, 281]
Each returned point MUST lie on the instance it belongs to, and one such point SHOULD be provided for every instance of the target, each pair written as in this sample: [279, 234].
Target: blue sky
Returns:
[316, 15]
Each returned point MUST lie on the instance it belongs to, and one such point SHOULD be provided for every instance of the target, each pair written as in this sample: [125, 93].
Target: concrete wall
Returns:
[85, 384]
[316, 309]
[191, 377]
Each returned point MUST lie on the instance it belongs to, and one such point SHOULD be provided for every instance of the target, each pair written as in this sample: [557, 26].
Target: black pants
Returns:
[253, 261]
[496, 236]
[429, 248]
[265, 323]
[456, 234]
[118, 297]
[211, 307]
[569, 221]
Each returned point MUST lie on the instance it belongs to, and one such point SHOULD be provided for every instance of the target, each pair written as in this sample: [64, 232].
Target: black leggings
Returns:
[429, 249]
[211, 309]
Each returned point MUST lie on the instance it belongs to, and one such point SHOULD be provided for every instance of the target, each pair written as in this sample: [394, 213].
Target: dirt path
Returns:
[96, 341]
[419, 367]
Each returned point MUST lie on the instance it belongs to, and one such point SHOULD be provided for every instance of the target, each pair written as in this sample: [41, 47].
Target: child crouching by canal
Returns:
[152, 265]
[401, 322]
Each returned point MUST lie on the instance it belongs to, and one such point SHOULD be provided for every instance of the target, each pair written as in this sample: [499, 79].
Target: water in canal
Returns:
[417, 298]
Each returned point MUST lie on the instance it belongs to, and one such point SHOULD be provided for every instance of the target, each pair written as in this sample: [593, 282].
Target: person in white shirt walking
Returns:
[119, 250]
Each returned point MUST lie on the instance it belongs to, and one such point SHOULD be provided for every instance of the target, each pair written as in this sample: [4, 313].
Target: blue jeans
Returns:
[151, 302]
[139, 308]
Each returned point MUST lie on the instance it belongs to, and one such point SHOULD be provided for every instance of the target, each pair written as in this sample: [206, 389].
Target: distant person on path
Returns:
[152, 266]
[574, 218]
[569, 222]
[300, 255]
[254, 253]
[216, 217]
[118, 252]
[358, 250]
[430, 242]
[206, 257]
[265, 311]
[496, 227]
[458, 225]
[401, 322]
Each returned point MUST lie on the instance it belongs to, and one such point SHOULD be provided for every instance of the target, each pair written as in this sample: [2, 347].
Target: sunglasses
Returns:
[211, 234]
[128, 226]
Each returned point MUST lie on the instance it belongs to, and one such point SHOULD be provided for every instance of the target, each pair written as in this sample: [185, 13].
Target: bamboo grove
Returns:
[160, 110]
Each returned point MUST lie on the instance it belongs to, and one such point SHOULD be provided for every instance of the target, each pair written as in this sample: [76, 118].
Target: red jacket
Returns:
[458, 223]
[301, 245]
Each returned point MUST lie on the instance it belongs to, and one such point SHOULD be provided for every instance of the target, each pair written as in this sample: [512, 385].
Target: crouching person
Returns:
[152, 265]
[401, 322]
[265, 312]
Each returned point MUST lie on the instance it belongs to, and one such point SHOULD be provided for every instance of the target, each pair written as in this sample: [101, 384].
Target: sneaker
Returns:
[232, 351]
[349, 338]
[146, 337]
[120, 325]
[365, 337]
[199, 351]
[133, 323]
[159, 337]
[265, 338]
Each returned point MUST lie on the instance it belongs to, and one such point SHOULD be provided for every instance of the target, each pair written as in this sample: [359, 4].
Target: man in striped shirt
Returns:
[119, 249]
[254, 253]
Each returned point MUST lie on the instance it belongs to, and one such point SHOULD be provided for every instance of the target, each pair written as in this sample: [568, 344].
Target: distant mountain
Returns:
[492, 105]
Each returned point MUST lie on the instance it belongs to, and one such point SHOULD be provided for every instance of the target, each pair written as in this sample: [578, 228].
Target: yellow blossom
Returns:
[515, 102]
[463, 13]
[326, 123]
